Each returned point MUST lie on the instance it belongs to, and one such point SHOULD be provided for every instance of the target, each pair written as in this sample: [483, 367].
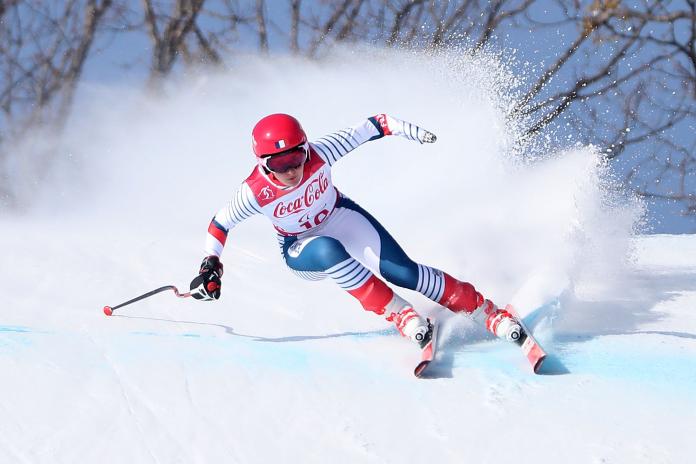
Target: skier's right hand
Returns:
[207, 284]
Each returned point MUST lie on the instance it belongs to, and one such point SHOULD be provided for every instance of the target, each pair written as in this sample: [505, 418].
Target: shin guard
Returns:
[460, 296]
[373, 295]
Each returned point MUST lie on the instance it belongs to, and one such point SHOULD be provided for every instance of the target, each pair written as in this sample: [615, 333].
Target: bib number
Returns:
[318, 219]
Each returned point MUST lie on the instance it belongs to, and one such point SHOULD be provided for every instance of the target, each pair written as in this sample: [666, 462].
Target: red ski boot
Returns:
[499, 322]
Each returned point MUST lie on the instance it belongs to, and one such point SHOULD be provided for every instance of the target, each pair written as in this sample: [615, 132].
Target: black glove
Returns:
[206, 285]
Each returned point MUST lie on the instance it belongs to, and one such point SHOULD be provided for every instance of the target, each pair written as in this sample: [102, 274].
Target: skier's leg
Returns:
[317, 257]
[361, 228]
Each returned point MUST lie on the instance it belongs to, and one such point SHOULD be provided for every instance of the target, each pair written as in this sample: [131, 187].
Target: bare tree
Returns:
[632, 90]
[295, 6]
[43, 51]
[625, 79]
[667, 140]
[261, 26]
[169, 32]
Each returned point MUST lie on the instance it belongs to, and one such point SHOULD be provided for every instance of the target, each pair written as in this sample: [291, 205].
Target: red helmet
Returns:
[276, 133]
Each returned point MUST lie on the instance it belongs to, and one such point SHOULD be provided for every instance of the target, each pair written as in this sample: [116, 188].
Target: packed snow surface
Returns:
[284, 370]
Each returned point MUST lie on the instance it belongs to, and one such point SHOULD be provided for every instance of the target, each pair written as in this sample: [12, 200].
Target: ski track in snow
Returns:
[643, 357]
[126, 396]
[646, 365]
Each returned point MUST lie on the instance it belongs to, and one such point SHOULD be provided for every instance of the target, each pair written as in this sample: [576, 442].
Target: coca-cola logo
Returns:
[313, 191]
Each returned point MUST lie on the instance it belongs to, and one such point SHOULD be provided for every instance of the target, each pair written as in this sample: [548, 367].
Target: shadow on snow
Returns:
[296, 338]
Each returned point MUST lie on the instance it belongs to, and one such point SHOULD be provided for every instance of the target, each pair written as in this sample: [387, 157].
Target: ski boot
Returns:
[499, 322]
[409, 323]
[428, 335]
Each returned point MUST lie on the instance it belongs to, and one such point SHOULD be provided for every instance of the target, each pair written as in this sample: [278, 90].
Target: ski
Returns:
[530, 347]
[428, 350]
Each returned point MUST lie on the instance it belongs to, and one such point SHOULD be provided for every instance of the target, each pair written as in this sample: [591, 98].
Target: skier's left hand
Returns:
[395, 126]
[425, 136]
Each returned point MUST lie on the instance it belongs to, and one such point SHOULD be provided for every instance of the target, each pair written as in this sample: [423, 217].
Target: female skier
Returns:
[322, 233]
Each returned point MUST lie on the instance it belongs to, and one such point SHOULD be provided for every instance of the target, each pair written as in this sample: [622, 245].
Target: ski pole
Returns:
[109, 310]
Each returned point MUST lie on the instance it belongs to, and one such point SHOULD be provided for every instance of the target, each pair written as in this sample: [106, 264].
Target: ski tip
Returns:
[418, 371]
[108, 311]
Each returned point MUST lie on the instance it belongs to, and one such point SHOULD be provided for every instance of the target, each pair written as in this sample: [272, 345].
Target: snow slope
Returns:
[283, 370]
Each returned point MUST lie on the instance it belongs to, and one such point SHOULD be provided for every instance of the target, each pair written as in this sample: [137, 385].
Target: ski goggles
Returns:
[283, 162]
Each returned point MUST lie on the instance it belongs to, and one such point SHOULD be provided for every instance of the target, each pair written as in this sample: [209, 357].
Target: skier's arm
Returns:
[335, 146]
[207, 284]
[241, 207]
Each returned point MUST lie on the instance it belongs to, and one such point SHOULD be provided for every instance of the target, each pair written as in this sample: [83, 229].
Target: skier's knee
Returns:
[318, 253]
[403, 274]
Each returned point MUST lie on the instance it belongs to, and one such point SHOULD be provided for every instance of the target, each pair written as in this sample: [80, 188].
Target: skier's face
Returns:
[291, 177]
[288, 165]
